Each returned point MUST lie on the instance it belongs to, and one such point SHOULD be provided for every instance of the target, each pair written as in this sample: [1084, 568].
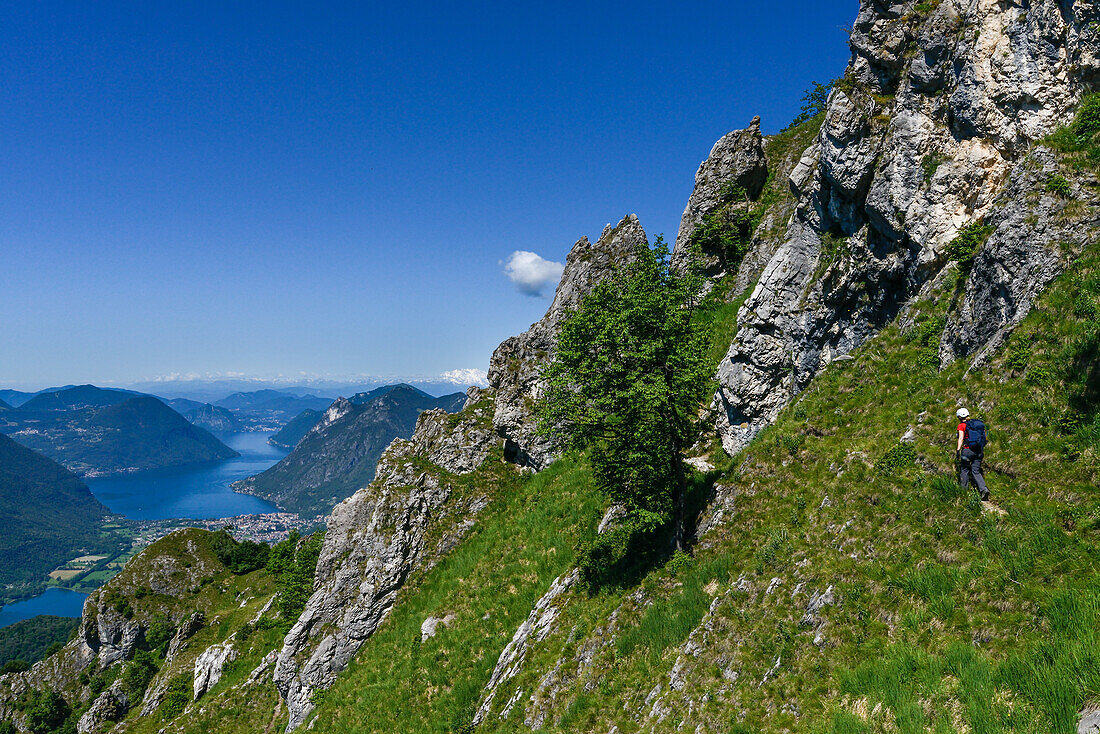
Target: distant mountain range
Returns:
[93, 431]
[293, 432]
[47, 514]
[77, 397]
[339, 453]
[269, 409]
[214, 419]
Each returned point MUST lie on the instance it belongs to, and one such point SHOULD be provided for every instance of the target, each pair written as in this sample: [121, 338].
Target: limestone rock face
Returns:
[737, 160]
[515, 365]
[375, 539]
[936, 114]
[110, 706]
[209, 664]
[1032, 236]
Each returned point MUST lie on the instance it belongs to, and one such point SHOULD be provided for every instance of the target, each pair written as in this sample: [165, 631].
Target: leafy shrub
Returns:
[293, 562]
[774, 553]
[1018, 355]
[1059, 186]
[814, 100]
[679, 563]
[967, 242]
[239, 557]
[159, 634]
[46, 711]
[119, 603]
[730, 191]
[1080, 135]
[1041, 375]
[611, 555]
[927, 335]
[177, 696]
[896, 459]
[1086, 122]
[790, 442]
[727, 233]
[137, 674]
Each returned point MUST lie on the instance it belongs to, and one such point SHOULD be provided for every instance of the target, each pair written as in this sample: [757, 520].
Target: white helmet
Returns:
[962, 413]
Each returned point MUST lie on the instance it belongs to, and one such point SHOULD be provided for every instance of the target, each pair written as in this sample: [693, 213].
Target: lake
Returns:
[56, 601]
[198, 492]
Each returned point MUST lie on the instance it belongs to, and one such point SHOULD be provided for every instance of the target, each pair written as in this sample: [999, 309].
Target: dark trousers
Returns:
[970, 470]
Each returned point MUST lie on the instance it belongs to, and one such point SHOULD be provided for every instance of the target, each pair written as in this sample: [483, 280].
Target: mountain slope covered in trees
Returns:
[48, 516]
[339, 453]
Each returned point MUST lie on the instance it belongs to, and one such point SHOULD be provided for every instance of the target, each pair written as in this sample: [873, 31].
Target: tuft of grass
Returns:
[1058, 185]
[964, 247]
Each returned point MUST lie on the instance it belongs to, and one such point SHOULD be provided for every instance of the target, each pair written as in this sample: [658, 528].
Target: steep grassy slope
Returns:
[520, 544]
[844, 582]
[931, 613]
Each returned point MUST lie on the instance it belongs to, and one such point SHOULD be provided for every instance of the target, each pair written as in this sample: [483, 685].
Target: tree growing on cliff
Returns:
[627, 378]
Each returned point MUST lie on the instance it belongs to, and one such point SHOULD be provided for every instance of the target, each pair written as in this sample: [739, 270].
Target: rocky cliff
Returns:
[515, 365]
[413, 511]
[932, 129]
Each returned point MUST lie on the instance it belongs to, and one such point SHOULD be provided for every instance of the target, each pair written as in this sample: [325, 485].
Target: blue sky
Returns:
[335, 189]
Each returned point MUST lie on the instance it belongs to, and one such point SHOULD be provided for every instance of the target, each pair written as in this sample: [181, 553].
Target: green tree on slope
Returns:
[627, 379]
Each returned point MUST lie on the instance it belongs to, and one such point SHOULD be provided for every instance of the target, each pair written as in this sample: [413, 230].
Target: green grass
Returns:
[949, 617]
[519, 545]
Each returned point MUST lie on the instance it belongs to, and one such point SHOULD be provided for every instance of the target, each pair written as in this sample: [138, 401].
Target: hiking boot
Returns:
[985, 497]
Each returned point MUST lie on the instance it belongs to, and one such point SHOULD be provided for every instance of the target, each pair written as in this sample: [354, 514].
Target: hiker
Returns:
[970, 452]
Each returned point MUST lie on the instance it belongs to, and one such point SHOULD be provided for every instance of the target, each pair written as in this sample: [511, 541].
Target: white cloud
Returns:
[468, 376]
[532, 273]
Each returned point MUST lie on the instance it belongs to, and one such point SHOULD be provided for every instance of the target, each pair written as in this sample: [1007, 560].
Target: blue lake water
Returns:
[56, 601]
[199, 492]
[196, 492]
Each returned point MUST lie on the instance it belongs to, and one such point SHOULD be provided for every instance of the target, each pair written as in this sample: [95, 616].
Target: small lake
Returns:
[56, 601]
[199, 492]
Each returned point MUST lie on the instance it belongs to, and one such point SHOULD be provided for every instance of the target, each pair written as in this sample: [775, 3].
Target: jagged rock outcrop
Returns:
[110, 706]
[375, 539]
[737, 161]
[515, 365]
[1034, 232]
[209, 665]
[937, 112]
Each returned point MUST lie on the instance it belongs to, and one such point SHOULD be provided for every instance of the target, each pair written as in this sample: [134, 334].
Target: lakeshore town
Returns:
[88, 572]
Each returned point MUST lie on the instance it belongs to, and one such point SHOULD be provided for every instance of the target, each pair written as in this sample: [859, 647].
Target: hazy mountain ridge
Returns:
[116, 432]
[338, 455]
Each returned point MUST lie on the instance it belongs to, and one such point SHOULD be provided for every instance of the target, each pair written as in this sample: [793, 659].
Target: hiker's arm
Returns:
[960, 445]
